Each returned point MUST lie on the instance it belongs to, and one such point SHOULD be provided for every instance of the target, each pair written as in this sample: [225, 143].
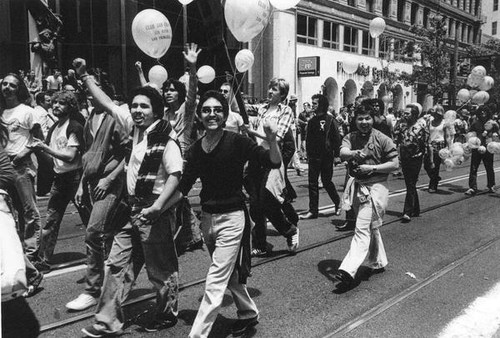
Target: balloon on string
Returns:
[493, 147]
[444, 153]
[206, 74]
[377, 27]
[456, 149]
[449, 164]
[185, 2]
[350, 65]
[480, 97]
[244, 60]
[157, 75]
[458, 160]
[476, 76]
[481, 149]
[467, 149]
[487, 83]
[474, 142]
[152, 32]
[473, 92]
[284, 4]
[246, 19]
[463, 95]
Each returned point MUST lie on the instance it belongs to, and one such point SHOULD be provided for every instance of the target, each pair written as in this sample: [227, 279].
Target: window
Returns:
[306, 30]
[399, 50]
[427, 14]
[414, 10]
[494, 28]
[368, 44]
[331, 35]
[386, 7]
[495, 5]
[401, 10]
[350, 39]
[369, 6]
[351, 3]
[384, 46]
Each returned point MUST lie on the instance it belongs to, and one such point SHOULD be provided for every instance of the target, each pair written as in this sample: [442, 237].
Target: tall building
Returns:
[490, 19]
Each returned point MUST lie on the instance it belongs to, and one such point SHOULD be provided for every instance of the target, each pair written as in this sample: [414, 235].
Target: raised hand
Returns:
[191, 52]
[80, 66]
[138, 66]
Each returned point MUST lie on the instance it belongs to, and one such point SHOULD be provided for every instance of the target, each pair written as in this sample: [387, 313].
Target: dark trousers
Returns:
[264, 205]
[323, 167]
[475, 160]
[18, 320]
[411, 168]
[433, 173]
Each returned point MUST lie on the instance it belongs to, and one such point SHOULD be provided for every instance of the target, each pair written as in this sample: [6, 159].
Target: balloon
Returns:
[284, 4]
[458, 160]
[206, 74]
[450, 115]
[480, 97]
[246, 19]
[481, 149]
[456, 149]
[487, 83]
[479, 70]
[157, 75]
[493, 147]
[185, 2]
[476, 76]
[449, 164]
[463, 95]
[444, 153]
[152, 32]
[350, 65]
[377, 27]
[386, 99]
[244, 60]
[474, 142]
[467, 149]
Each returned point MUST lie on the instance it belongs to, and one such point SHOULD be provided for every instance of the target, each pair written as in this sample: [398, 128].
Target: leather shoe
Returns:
[309, 215]
[242, 325]
[346, 226]
[406, 218]
[343, 281]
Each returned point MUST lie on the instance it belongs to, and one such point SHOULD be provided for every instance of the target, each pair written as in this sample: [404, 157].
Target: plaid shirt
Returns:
[283, 116]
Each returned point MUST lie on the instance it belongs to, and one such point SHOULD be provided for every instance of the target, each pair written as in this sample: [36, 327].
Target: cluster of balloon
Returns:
[246, 19]
[350, 65]
[206, 74]
[480, 83]
[377, 27]
[152, 32]
[244, 60]
[157, 75]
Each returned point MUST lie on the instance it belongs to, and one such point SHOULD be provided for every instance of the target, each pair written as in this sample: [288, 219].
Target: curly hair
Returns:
[154, 97]
[68, 98]
[179, 87]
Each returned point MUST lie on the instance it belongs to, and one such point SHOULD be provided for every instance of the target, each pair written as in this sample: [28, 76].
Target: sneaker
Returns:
[242, 325]
[82, 302]
[256, 252]
[309, 215]
[161, 323]
[98, 330]
[293, 242]
[34, 287]
[470, 192]
[406, 218]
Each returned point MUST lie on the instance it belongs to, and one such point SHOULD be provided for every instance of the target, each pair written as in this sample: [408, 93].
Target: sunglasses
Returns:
[224, 91]
[208, 110]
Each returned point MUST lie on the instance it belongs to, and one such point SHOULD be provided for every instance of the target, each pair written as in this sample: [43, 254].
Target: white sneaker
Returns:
[82, 302]
[293, 242]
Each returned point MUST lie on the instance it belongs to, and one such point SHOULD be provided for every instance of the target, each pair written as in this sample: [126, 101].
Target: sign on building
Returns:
[308, 66]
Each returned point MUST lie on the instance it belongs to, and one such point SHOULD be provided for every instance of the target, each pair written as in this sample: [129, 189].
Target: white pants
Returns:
[367, 241]
[222, 234]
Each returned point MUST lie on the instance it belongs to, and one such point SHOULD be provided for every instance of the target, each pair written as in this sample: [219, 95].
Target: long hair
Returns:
[23, 95]
[179, 87]
[68, 98]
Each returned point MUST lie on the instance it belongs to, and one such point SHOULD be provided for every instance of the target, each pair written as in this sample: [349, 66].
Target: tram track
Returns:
[339, 236]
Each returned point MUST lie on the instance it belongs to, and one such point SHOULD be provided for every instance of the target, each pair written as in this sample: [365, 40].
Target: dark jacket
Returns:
[314, 141]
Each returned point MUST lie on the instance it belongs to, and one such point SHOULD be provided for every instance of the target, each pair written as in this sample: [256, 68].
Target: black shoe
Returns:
[376, 271]
[34, 286]
[308, 215]
[242, 325]
[98, 330]
[343, 281]
[42, 266]
[406, 218]
[162, 323]
[346, 226]
[191, 246]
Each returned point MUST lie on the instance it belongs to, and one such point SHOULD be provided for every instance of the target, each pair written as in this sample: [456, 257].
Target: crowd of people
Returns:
[128, 166]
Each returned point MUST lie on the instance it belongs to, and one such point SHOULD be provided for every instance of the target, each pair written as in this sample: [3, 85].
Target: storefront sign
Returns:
[308, 66]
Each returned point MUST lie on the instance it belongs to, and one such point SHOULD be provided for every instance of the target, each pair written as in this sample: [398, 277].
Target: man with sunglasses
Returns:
[234, 120]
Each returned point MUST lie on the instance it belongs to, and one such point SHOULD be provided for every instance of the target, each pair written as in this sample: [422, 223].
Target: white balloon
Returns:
[480, 97]
[474, 142]
[480, 70]
[481, 149]
[449, 164]
[463, 95]
[157, 75]
[246, 19]
[377, 27]
[206, 74]
[244, 60]
[487, 83]
[185, 2]
[152, 32]
[444, 153]
[350, 65]
[456, 149]
[284, 4]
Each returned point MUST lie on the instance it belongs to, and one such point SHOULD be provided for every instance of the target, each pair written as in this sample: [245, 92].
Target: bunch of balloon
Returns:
[479, 84]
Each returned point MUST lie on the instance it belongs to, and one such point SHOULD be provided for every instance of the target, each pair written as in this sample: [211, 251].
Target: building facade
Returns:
[490, 19]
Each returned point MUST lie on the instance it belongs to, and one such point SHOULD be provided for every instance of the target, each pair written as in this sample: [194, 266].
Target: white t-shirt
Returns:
[20, 120]
[59, 141]
[45, 121]
[234, 122]
[172, 161]
[54, 83]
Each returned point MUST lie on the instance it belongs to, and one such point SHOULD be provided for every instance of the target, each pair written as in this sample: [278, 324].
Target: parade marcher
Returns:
[234, 121]
[302, 119]
[371, 156]
[21, 121]
[101, 188]
[483, 114]
[54, 81]
[267, 185]
[437, 140]
[43, 105]
[323, 145]
[412, 137]
[153, 172]
[218, 160]
[65, 145]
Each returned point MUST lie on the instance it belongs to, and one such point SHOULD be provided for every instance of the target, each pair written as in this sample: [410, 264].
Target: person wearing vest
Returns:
[323, 146]
[153, 171]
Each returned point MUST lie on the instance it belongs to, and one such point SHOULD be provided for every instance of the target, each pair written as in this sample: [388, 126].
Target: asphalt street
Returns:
[439, 264]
